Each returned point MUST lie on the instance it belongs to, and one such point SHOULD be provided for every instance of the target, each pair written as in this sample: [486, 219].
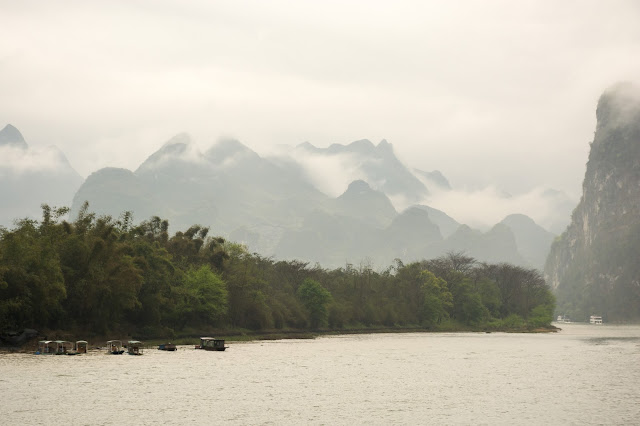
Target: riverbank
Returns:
[193, 337]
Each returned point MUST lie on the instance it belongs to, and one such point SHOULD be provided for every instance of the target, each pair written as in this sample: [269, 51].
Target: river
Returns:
[584, 374]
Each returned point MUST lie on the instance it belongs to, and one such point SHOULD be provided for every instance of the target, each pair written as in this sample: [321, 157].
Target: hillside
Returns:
[594, 266]
[276, 207]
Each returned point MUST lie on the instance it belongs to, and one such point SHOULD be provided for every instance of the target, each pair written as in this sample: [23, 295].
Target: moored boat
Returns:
[114, 347]
[595, 319]
[564, 319]
[82, 346]
[46, 347]
[167, 347]
[134, 347]
[211, 344]
[64, 347]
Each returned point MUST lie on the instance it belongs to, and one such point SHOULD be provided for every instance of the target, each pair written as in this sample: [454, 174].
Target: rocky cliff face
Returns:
[594, 266]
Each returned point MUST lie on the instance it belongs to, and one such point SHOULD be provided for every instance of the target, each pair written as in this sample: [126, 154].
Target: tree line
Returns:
[102, 274]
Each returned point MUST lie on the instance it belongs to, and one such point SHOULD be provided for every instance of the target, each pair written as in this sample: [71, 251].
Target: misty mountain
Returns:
[445, 223]
[273, 205]
[361, 201]
[376, 165]
[333, 239]
[533, 241]
[412, 236]
[433, 179]
[30, 177]
[494, 246]
[330, 240]
[229, 187]
[118, 187]
[11, 137]
[594, 265]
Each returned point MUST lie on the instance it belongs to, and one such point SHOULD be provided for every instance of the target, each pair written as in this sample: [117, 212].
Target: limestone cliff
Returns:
[594, 266]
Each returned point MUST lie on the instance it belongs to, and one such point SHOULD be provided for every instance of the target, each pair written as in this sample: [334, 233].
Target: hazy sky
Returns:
[489, 92]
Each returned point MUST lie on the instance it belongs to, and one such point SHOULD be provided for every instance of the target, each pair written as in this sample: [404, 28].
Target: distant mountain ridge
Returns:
[273, 205]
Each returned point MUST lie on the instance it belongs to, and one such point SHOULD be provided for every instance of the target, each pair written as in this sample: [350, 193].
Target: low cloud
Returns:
[331, 174]
[17, 161]
[485, 207]
[480, 208]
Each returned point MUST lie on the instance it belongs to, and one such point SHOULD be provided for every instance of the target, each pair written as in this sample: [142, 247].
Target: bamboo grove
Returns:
[102, 275]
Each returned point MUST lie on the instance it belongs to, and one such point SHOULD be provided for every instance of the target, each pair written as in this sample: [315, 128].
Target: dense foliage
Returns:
[102, 275]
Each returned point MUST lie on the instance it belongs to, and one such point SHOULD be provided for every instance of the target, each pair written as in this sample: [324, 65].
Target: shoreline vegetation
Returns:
[99, 277]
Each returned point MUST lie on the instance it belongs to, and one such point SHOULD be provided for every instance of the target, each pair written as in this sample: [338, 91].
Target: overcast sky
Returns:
[489, 92]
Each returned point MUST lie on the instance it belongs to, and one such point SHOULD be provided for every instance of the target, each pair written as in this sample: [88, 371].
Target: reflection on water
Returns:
[612, 340]
[584, 374]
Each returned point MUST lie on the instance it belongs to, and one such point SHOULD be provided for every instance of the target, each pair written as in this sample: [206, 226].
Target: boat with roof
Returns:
[595, 319]
[211, 344]
[46, 347]
[135, 347]
[82, 346]
[114, 347]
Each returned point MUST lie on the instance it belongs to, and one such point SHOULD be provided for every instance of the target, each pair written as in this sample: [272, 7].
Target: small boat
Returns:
[595, 319]
[167, 347]
[134, 347]
[564, 319]
[64, 347]
[81, 346]
[46, 347]
[114, 347]
[211, 344]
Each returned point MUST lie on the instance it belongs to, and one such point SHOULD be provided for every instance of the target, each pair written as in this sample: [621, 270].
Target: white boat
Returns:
[595, 319]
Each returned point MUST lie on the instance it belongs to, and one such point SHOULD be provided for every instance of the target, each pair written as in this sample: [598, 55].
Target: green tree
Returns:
[101, 274]
[202, 297]
[473, 311]
[31, 281]
[541, 315]
[489, 295]
[159, 275]
[316, 300]
[437, 299]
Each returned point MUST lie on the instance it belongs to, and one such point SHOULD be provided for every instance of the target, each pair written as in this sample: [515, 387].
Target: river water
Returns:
[583, 374]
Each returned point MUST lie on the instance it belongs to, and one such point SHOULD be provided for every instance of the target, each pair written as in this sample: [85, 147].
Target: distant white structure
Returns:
[595, 319]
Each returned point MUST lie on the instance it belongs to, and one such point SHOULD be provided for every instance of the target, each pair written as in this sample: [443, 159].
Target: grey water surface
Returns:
[584, 374]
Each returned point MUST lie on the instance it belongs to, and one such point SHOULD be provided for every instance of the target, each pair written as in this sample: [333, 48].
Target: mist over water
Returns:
[581, 375]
